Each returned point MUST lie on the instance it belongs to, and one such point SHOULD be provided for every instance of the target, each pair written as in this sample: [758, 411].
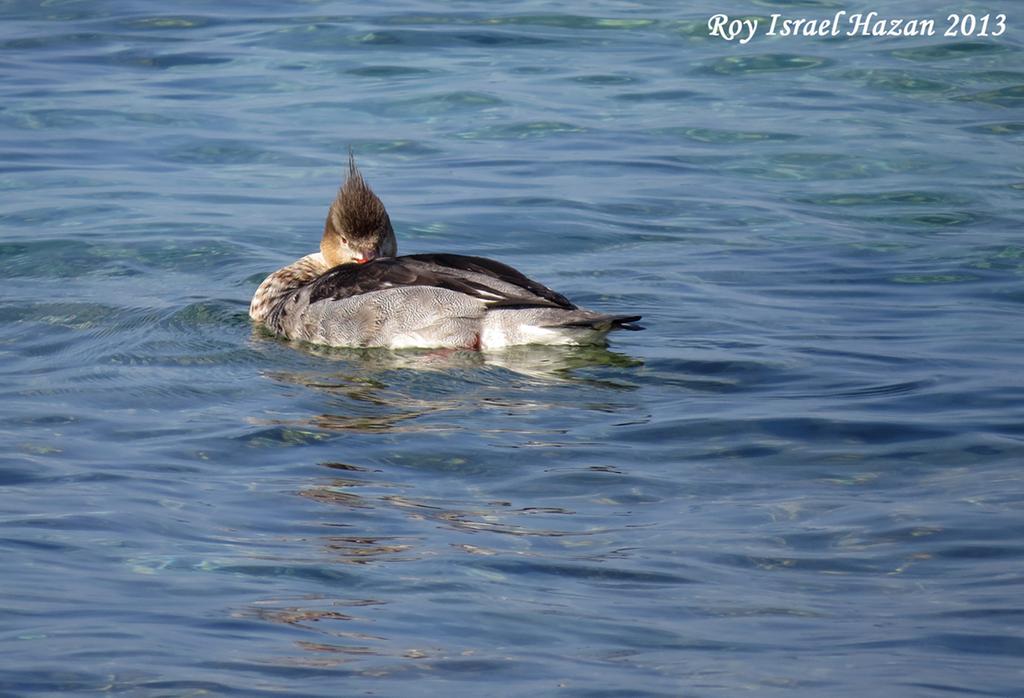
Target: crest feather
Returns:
[356, 212]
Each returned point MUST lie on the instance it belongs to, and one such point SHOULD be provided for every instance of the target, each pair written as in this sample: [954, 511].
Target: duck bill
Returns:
[366, 257]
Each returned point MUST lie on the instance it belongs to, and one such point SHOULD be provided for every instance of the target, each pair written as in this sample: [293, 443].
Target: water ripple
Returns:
[803, 478]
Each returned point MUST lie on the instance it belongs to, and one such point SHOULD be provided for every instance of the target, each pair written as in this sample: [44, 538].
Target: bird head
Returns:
[358, 228]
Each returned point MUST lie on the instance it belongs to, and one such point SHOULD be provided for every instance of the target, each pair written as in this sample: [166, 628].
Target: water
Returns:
[803, 479]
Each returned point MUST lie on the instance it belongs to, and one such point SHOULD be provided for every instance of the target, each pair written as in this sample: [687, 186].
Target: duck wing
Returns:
[498, 272]
[496, 284]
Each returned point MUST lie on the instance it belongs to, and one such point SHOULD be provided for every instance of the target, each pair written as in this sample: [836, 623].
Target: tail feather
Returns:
[601, 323]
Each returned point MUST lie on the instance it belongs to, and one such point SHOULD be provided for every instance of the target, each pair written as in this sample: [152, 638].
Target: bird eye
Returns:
[344, 240]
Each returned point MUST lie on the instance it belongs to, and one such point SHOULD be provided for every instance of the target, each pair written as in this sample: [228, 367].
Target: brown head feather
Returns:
[357, 220]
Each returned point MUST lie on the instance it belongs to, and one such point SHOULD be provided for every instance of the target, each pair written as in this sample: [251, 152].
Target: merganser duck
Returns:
[356, 292]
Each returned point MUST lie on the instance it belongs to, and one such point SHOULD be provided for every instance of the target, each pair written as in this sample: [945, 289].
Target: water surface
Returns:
[802, 479]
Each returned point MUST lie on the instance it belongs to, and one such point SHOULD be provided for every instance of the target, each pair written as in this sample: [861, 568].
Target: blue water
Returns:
[804, 478]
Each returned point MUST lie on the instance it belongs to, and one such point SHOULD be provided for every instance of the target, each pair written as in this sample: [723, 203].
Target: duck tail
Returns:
[601, 323]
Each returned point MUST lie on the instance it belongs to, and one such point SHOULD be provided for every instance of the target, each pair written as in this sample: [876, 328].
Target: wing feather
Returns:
[494, 283]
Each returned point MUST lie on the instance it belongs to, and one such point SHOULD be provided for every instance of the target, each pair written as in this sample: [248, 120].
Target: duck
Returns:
[356, 291]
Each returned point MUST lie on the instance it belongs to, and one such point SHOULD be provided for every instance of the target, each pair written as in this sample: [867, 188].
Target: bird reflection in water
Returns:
[377, 518]
[407, 391]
